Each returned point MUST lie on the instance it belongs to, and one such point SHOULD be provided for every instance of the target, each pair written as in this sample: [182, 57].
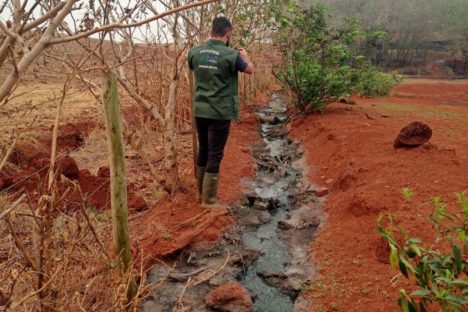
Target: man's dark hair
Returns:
[221, 26]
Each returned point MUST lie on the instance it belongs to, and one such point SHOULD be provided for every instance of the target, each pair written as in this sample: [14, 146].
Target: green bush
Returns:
[441, 275]
[374, 83]
[318, 66]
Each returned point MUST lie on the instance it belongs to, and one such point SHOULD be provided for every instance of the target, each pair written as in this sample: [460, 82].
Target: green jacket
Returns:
[216, 76]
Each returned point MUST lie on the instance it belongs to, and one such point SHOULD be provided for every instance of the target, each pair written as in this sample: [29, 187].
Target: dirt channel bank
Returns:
[350, 150]
[267, 250]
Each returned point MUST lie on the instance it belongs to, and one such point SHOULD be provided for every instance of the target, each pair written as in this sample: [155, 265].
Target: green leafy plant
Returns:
[371, 82]
[441, 275]
[318, 63]
[407, 194]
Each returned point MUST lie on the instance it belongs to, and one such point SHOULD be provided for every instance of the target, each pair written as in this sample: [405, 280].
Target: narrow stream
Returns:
[275, 186]
[268, 250]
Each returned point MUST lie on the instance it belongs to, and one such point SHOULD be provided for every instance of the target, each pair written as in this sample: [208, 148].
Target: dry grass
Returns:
[82, 277]
[94, 154]
[38, 101]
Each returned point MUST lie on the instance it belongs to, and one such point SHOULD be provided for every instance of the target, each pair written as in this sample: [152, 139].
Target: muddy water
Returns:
[274, 184]
[273, 278]
[268, 250]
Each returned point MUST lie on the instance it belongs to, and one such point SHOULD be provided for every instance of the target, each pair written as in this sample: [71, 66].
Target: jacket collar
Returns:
[216, 42]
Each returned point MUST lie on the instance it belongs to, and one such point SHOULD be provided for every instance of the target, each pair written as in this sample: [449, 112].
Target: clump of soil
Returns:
[68, 168]
[29, 153]
[31, 165]
[382, 251]
[414, 134]
[230, 297]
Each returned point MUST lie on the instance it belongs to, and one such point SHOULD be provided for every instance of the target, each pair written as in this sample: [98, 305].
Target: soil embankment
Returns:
[266, 250]
[350, 150]
[173, 225]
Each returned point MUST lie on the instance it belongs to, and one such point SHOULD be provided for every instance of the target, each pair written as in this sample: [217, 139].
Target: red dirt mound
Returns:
[34, 159]
[68, 168]
[95, 188]
[70, 137]
[230, 297]
[414, 134]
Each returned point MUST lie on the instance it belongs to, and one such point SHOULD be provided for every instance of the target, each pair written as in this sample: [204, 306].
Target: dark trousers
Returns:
[212, 138]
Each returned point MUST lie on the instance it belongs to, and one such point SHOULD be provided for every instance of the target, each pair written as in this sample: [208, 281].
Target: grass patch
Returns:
[426, 112]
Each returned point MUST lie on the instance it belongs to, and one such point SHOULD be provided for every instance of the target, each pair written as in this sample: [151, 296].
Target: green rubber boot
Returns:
[200, 175]
[210, 191]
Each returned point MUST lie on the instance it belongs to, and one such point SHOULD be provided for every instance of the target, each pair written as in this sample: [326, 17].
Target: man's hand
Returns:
[245, 56]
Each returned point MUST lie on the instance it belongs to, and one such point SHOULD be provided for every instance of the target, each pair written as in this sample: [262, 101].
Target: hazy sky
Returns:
[78, 14]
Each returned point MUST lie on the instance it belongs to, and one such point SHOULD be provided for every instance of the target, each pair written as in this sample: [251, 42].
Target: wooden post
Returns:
[118, 184]
[194, 129]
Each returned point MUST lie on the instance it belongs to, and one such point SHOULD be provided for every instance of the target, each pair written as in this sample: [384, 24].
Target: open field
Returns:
[350, 151]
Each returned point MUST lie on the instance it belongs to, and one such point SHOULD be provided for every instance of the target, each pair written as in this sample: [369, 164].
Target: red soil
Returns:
[158, 232]
[34, 163]
[178, 224]
[352, 149]
[230, 297]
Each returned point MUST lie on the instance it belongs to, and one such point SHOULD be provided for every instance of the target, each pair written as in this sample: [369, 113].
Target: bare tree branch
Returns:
[13, 206]
[118, 25]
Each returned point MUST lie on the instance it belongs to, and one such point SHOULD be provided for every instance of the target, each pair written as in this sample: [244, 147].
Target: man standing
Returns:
[216, 102]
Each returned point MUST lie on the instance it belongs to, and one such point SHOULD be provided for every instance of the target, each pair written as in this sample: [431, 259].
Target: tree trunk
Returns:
[170, 155]
[118, 184]
[191, 80]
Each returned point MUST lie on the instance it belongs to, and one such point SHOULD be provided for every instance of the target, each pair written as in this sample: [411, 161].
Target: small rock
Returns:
[253, 220]
[329, 181]
[245, 150]
[264, 216]
[230, 297]
[287, 224]
[347, 100]
[278, 279]
[321, 191]
[150, 306]
[260, 205]
[244, 201]
[267, 180]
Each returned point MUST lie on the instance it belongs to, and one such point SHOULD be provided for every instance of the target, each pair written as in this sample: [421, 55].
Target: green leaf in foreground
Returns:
[441, 277]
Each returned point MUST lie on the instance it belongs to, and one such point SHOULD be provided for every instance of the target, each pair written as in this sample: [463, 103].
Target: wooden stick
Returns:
[194, 129]
[12, 207]
[119, 201]
[9, 151]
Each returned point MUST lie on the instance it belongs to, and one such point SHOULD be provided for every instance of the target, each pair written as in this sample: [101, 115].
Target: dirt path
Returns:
[350, 149]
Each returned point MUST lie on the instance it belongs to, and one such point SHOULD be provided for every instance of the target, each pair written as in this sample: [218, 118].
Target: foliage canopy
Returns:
[318, 63]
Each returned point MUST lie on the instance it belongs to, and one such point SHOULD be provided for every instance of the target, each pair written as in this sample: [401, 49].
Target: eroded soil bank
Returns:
[267, 249]
[350, 149]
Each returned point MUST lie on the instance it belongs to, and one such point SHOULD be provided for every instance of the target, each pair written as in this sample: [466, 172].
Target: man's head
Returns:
[221, 28]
